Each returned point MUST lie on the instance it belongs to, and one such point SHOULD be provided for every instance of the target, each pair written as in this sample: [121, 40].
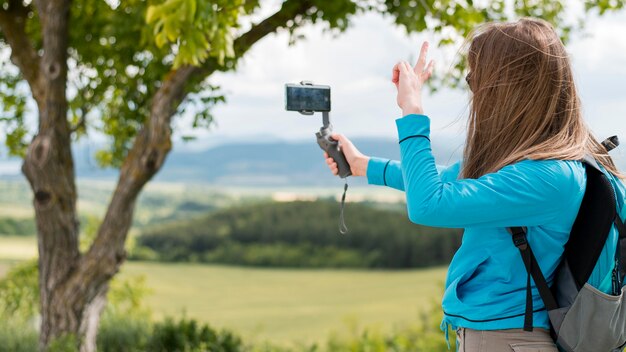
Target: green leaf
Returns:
[152, 14]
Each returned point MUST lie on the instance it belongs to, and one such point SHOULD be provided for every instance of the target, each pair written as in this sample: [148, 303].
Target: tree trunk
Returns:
[71, 301]
[72, 286]
[49, 168]
[91, 321]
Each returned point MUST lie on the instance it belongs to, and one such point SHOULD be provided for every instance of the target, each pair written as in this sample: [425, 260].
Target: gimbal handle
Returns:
[332, 147]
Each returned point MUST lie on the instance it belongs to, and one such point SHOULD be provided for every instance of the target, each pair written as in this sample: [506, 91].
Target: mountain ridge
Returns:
[251, 163]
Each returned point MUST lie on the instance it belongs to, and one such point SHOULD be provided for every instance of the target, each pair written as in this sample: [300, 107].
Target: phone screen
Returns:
[307, 97]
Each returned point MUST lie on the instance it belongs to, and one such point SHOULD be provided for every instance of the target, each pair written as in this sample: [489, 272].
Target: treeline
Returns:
[17, 226]
[300, 234]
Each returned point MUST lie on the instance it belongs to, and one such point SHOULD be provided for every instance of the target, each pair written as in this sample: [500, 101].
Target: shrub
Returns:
[18, 336]
[120, 333]
[423, 336]
[19, 292]
[186, 335]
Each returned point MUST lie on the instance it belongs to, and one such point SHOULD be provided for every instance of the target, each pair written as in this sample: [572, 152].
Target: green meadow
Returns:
[282, 305]
[277, 305]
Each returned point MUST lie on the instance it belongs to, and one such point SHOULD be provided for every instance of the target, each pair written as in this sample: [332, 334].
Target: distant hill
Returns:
[256, 164]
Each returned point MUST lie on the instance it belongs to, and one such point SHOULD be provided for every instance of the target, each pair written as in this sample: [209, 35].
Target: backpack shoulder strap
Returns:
[621, 228]
[596, 216]
[532, 269]
[621, 249]
[589, 160]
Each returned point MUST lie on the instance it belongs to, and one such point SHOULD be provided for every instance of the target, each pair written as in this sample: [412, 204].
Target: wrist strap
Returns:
[343, 229]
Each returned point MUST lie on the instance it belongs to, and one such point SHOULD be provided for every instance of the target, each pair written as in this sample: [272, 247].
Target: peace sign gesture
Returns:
[409, 81]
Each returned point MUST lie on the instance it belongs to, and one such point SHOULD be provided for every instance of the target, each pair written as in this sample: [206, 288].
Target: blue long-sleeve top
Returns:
[486, 280]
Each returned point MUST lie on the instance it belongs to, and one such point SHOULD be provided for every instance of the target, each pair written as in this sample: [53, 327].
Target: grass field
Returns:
[289, 305]
[15, 248]
[278, 305]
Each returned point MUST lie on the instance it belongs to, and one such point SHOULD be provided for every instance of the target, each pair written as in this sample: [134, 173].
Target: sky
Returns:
[357, 65]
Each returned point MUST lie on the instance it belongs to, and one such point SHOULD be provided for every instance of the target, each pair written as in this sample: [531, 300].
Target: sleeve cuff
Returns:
[376, 171]
[412, 126]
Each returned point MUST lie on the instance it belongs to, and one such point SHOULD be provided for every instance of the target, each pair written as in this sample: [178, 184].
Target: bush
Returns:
[19, 292]
[122, 334]
[186, 335]
[424, 336]
[18, 336]
[128, 334]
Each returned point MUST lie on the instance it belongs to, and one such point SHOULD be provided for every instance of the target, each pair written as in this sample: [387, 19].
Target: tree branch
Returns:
[23, 54]
[85, 109]
[81, 123]
[152, 145]
[289, 11]
[144, 159]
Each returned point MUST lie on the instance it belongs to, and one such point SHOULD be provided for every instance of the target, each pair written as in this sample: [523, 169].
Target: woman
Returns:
[519, 168]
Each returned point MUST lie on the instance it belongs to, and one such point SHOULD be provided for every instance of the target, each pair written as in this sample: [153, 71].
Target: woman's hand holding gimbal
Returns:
[356, 159]
[410, 80]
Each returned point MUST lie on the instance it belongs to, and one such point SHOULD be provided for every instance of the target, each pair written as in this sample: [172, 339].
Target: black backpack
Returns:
[583, 319]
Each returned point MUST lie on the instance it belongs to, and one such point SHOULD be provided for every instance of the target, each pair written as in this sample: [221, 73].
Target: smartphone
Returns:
[303, 97]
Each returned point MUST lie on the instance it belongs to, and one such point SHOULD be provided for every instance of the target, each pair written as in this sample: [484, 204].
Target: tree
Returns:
[125, 69]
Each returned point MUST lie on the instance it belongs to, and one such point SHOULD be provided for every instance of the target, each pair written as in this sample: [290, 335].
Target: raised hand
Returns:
[410, 80]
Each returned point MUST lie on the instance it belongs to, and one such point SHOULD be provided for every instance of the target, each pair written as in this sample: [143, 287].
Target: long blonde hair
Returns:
[524, 103]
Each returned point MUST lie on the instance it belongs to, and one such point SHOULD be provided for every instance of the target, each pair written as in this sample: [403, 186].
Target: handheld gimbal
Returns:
[307, 98]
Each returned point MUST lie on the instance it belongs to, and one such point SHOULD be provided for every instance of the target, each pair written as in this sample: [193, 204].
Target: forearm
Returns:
[385, 172]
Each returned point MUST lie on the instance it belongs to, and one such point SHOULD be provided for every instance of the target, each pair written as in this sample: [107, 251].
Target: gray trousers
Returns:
[512, 340]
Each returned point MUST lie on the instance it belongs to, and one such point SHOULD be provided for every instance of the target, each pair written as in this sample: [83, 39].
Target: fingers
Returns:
[332, 165]
[404, 67]
[401, 68]
[346, 146]
[420, 69]
[395, 74]
[429, 71]
[343, 140]
[421, 61]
